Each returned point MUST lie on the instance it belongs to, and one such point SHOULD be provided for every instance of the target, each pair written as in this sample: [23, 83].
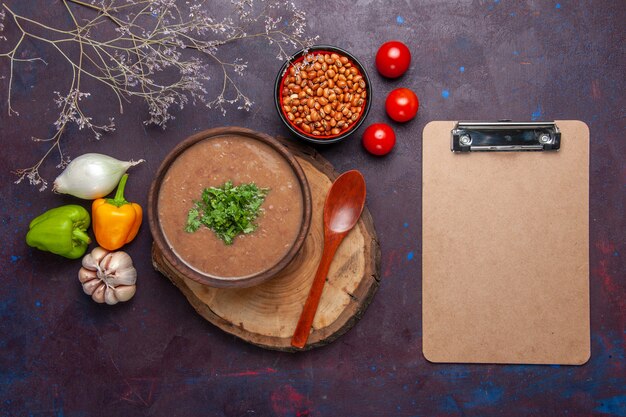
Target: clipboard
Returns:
[505, 229]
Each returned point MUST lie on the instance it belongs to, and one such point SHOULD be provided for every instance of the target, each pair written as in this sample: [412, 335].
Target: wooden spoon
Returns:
[342, 209]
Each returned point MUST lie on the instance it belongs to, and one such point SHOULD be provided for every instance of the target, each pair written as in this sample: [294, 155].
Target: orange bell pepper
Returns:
[115, 220]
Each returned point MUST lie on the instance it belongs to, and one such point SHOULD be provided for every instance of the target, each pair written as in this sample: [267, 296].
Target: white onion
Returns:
[92, 176]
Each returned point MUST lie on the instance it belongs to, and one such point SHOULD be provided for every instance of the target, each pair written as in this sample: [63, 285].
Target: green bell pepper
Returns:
[61, 231]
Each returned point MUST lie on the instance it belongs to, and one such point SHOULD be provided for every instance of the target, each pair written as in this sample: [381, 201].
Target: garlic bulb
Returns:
[109, 277]
[91, 176]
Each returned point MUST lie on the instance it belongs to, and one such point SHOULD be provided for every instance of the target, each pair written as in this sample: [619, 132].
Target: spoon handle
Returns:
[301, 334]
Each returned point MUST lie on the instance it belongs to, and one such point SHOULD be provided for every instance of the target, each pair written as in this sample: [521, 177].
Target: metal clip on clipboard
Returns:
[505, 136]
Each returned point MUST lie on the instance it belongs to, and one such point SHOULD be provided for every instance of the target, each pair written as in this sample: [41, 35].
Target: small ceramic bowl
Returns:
[283, 74]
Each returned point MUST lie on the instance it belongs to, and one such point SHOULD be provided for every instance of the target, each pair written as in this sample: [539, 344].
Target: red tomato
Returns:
[402, 104]
[393, 59]
[379, 139]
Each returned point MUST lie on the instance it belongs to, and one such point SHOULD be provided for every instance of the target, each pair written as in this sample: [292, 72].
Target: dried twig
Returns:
[142, 57]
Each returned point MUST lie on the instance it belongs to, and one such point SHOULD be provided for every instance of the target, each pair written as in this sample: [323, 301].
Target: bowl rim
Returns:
[282, 73]
[178, 263]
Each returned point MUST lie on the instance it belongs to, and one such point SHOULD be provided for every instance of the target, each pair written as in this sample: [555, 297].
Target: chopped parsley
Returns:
[227, 210]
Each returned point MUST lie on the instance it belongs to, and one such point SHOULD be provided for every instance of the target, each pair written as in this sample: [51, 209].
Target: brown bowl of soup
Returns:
[209, 160]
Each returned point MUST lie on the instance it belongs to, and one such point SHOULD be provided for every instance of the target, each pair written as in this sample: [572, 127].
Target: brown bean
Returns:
[324, 94]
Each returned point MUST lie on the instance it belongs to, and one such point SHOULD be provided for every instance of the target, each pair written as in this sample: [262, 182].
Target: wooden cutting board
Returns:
[266, 315]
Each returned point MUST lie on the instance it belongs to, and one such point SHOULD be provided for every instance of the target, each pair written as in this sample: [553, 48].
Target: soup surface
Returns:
[211, 163]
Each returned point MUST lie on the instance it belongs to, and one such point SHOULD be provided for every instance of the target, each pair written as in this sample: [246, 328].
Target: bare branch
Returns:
[143, 59]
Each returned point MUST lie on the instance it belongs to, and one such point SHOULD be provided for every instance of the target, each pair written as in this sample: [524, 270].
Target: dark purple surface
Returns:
[63, 355]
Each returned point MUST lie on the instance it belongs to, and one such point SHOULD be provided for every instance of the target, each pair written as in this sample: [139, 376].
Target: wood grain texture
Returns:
[266, 315]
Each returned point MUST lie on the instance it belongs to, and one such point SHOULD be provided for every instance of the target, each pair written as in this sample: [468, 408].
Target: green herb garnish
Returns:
[227, 210]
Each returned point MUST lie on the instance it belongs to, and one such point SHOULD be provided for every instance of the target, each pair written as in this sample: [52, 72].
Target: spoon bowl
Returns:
[342, 209]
